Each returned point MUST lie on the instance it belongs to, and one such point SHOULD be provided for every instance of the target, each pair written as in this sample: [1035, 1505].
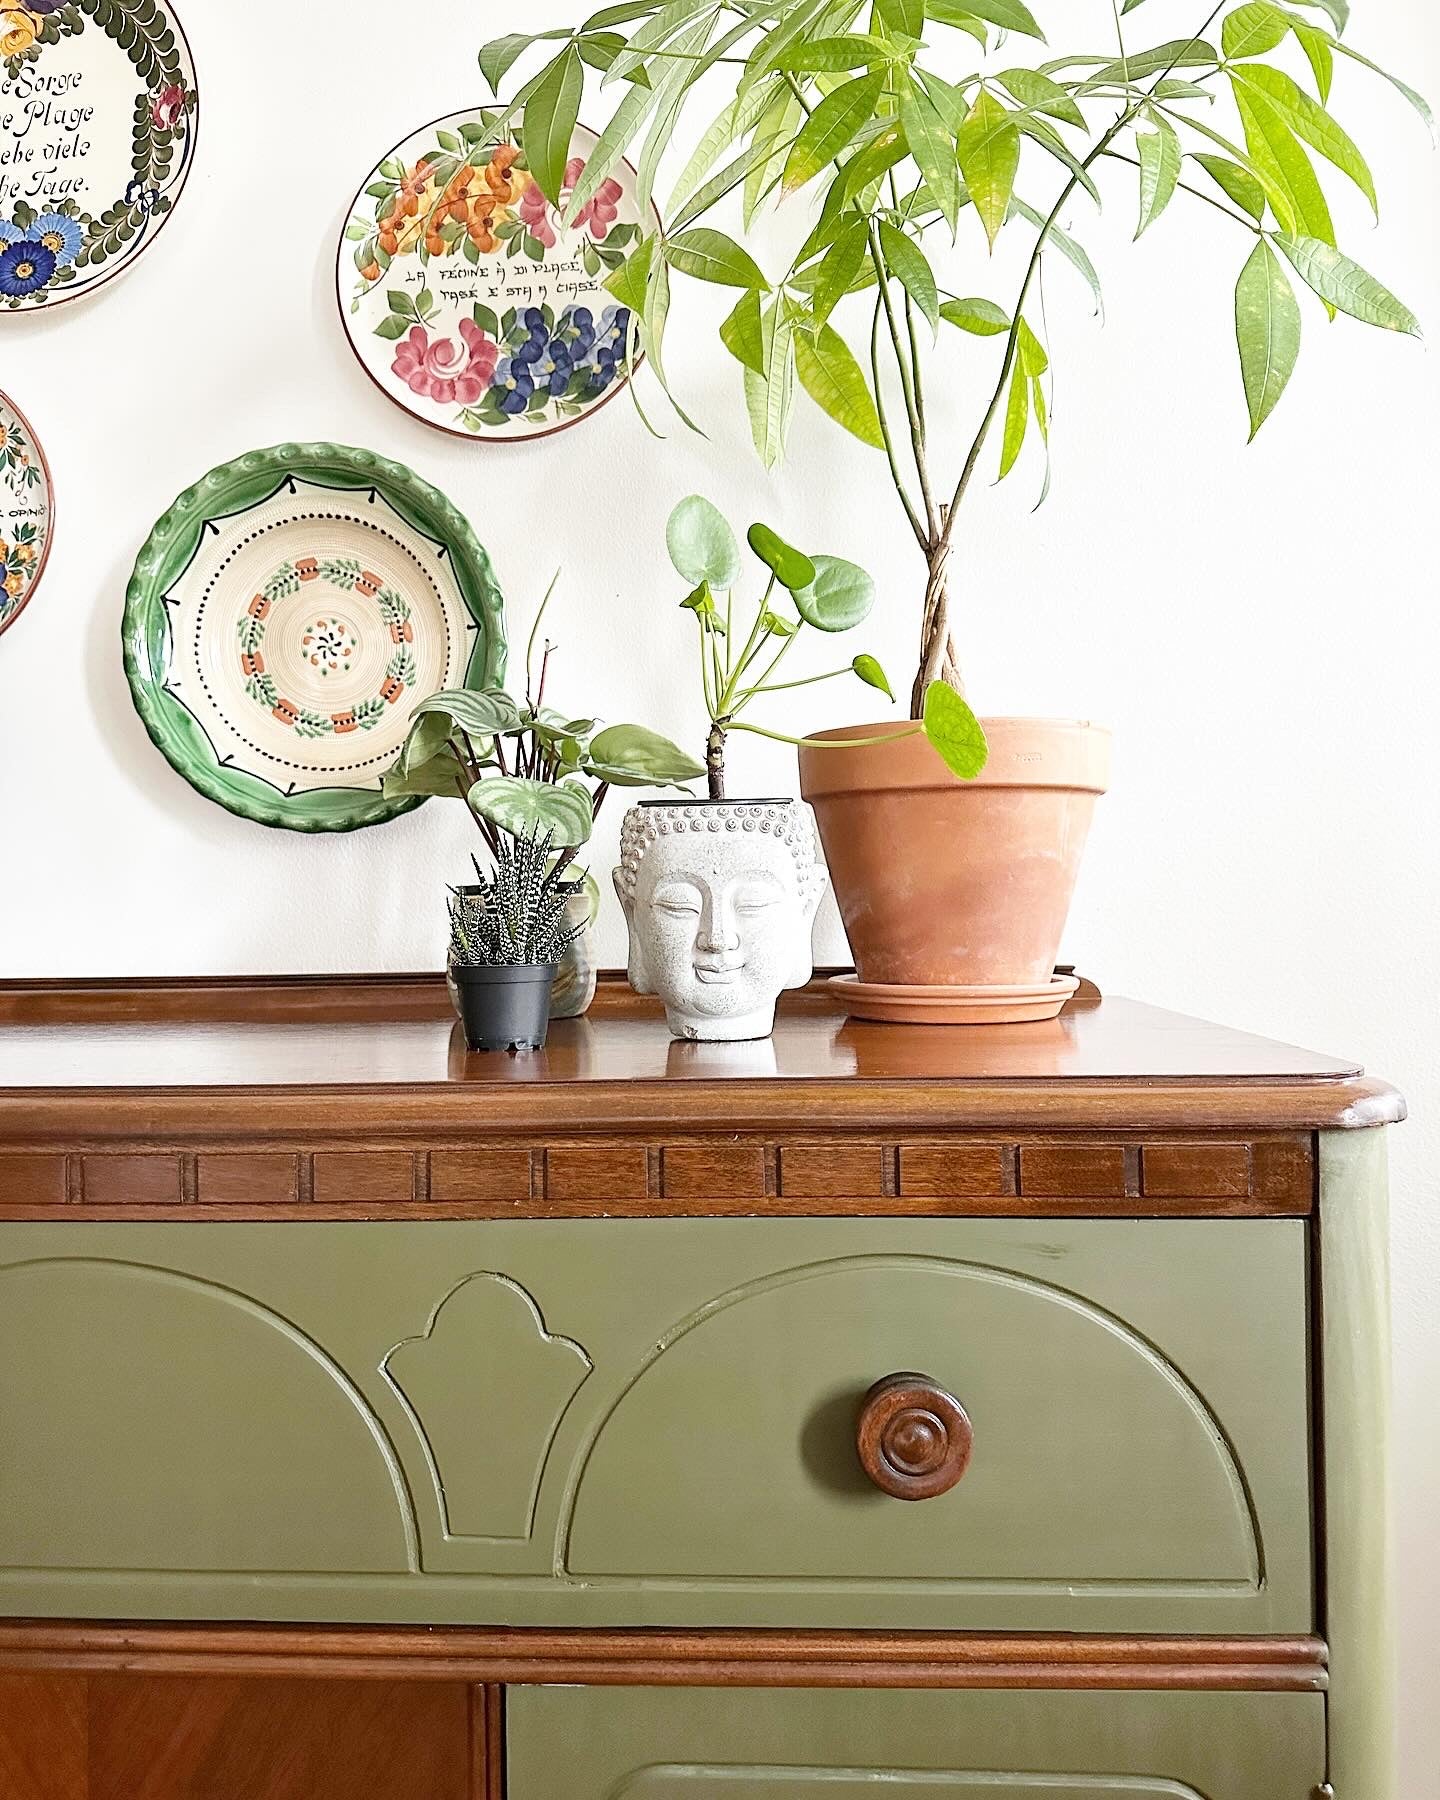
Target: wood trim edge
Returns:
[673, 1658]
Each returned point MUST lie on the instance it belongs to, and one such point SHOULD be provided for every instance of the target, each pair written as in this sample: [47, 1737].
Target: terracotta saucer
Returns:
[979, 1005]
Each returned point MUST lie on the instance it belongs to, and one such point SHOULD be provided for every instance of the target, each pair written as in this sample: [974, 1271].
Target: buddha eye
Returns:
[756, 899]
[676, 900]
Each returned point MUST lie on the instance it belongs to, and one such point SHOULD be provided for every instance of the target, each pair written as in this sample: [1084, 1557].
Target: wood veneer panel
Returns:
[961, 1171]
[182, 1738]
[43, 1737]
[713, 1171]
[32, 1180]
[131, 1181]
[261, 1179]
[1286, 1172]
[480, 1175]
[357, 1177]
[826, 1171]
[616, 1172]
[1175, 1171]
[673, 1658]
[1058, 1171]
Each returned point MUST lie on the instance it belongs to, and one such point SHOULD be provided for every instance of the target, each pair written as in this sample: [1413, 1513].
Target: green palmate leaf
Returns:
[1343, 284]
[500, 54]
[621, 14]
[1017, 418]
[1172, 88]
[1011, 15]
[480, 714]
[1418, 101]
[1046, 135]
[958, 15]
[836, 383]
[858, 51]
[1313, 124]
[1253, 30]
[1041, 94]
[906, 261]
[741, 333]
[1179, 53]
[839, 268]
[709, 255]
[948, 101]
[901, 18]
[840, 597]
[981, 317]
[1337, 11]
[954, 731]
[774, 134]
[933, 149]
[1319, 53]
[769, 396]
[550, 115]
[1280, 161]
[731, 126]
[872, 675]
[1074, 253]
[989, 153]
[868, 165]
[790, 567]
[1030, 353]
[631, 281]
[633, 756]
[1160, 157]
[701, 544]
[832, 128]
[1267, 331]
[666, 29]
[558, 810]
[1238, 183]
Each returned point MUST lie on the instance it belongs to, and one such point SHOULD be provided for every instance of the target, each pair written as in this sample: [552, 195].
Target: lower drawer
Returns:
[727, 1744]
[635, 1422]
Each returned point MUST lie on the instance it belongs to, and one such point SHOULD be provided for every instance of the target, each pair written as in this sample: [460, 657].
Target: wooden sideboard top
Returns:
[261, 1057]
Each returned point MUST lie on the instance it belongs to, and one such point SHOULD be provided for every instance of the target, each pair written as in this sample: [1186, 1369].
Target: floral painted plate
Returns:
[466, 299]
[27, 512]
[286, 615]
[97, 126]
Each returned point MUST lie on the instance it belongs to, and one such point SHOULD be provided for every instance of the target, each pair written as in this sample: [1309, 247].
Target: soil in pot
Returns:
[504, 1008]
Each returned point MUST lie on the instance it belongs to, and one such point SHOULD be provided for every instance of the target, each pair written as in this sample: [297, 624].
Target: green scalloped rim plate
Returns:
[358, 574]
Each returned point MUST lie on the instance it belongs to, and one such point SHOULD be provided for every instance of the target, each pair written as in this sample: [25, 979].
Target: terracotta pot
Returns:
[947, 883]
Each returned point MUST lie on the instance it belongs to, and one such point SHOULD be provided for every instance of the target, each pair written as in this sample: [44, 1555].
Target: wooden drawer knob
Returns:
[914, 1438]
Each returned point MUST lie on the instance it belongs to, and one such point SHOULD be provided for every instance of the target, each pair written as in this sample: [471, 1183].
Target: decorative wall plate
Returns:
[27, 512]
[286, 615]
[97, 129]
[467, 301]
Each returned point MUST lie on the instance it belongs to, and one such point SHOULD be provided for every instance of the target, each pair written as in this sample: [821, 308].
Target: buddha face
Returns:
[719, 901]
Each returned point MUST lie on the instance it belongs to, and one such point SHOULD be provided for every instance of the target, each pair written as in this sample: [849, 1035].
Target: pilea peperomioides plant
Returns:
[920, 138]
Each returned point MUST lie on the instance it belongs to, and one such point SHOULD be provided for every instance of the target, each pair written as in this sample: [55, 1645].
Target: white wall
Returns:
[1257, 625]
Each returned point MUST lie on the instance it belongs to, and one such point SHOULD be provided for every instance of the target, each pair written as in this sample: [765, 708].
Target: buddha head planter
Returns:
[719, 897]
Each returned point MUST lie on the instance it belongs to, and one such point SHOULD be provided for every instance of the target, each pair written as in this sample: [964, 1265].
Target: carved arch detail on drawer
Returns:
[486, 1387]
[729, 1455]
[247, 1450]
[736, 1781]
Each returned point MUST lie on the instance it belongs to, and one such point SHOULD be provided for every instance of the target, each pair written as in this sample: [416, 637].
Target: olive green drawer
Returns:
[727, 1744]
[653, 1422]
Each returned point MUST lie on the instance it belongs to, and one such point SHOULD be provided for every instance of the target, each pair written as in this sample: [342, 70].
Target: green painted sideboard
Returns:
[597, 1388]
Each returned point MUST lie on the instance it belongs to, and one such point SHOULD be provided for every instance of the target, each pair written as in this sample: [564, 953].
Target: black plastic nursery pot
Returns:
[505, 1008]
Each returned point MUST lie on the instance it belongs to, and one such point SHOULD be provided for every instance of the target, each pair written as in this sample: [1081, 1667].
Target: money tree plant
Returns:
[904, 138]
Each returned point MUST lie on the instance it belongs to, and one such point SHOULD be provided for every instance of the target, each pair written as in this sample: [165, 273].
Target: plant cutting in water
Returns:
[920, 137]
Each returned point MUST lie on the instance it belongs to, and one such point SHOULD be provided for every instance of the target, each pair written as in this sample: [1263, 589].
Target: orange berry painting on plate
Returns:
[27, 511]
[477, 301]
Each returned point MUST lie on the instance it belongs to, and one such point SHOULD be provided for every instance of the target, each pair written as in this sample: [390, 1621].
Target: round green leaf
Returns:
[790, 567]
[481, 714]
[428, 737]
[701, 544]
[634, 756]
[559, 810]
[872, 674]
[840, 596]
[954, 731]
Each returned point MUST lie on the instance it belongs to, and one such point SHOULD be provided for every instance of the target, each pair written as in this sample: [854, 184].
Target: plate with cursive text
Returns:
[467, 297]
[98, 113]
[27, 512]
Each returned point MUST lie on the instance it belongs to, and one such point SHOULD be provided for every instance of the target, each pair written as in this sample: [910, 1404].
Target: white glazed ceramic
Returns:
[466, 297]
[97, 131]
[27, 512]
[719, 897]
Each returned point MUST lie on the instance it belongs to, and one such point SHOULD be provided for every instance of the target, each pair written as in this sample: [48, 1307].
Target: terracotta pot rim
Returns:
[1032, 722]
[1055, 755]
